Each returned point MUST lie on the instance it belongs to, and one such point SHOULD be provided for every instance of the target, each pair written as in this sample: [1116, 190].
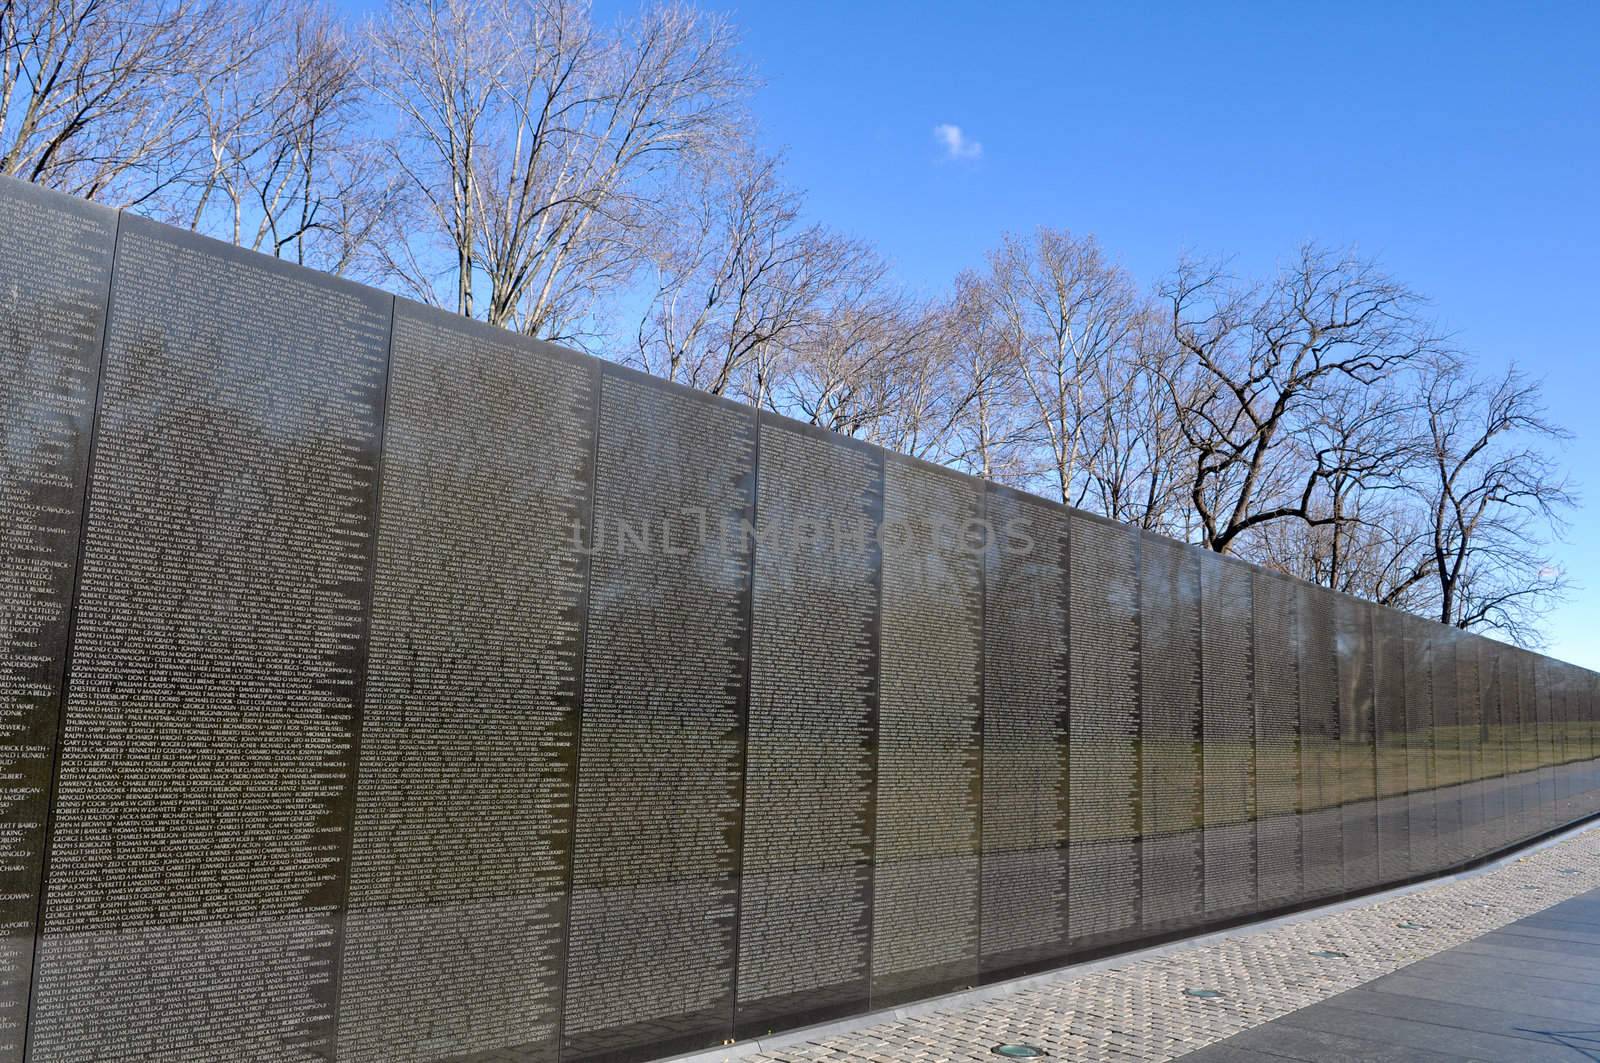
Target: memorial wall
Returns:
[380, 686]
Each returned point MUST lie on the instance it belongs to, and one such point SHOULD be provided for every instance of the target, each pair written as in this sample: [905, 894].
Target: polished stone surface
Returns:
[1104, 862]
[378, 685]
[1025, 724]
[652, 937]
[200, 822]
[805, 924]
[55, 268]
[461, 853]
[930, 735]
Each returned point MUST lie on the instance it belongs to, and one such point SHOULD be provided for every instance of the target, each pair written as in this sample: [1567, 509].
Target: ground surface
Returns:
[1529, 991]
[1504, 965]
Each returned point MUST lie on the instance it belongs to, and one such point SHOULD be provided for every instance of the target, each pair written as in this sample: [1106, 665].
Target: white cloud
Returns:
[957, 145]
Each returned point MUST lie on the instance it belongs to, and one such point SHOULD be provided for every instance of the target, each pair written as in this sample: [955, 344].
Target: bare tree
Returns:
[95, 95]
[1494, 496]
[859, 362]
[1358, 441]
[927, 398]
[1133, 445]
[1264, 367]
[1063, 315]
[597, 119]
[1365, 536]
[988, 425]
[235, 108]
[535, 142]
[292, 171]
[440, 65]
[739, 278]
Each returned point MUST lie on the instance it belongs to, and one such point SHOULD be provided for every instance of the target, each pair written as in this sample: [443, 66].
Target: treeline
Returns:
[600, 186]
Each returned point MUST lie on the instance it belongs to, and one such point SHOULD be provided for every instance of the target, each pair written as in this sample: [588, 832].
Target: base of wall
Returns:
[1101, 959]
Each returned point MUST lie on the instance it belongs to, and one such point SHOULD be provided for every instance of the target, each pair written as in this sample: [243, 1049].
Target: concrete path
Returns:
[1529, 991]
[1499, 964]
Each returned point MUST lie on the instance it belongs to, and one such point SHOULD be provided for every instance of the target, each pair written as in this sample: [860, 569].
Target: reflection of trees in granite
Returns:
[1277, 739]
[461, 846]
[1079, 745]
[656, 853]
[207, 743]
[1353, 651]
[1171, 813]
[805, 916]
[1103, 748]
[929, 803]
[1228, 768]
[1025, 750]
[55, 266]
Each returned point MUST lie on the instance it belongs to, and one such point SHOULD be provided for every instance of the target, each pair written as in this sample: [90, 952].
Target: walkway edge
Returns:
[1071, 972]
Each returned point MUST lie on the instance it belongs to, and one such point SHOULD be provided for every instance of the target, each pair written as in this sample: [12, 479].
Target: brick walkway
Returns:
[1137, 1008]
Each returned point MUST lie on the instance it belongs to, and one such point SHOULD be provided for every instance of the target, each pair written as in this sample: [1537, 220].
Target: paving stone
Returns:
[1546, 983]
[1136, 1010]
[1572, 933]
[1557, 948]
[1323, 1046]
[1502, 966]
[1424, 1036]
[1527, 949]
[1438, 1014]
[1507, 997]
[1231, 1054]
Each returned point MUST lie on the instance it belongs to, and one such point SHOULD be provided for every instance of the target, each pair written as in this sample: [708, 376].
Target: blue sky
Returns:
[1458, 143]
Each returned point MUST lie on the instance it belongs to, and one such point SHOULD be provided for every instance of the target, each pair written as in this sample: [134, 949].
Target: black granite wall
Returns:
[380, 686]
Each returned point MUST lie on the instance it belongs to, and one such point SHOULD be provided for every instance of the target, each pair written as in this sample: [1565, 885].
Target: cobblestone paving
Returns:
[1138, 1010]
